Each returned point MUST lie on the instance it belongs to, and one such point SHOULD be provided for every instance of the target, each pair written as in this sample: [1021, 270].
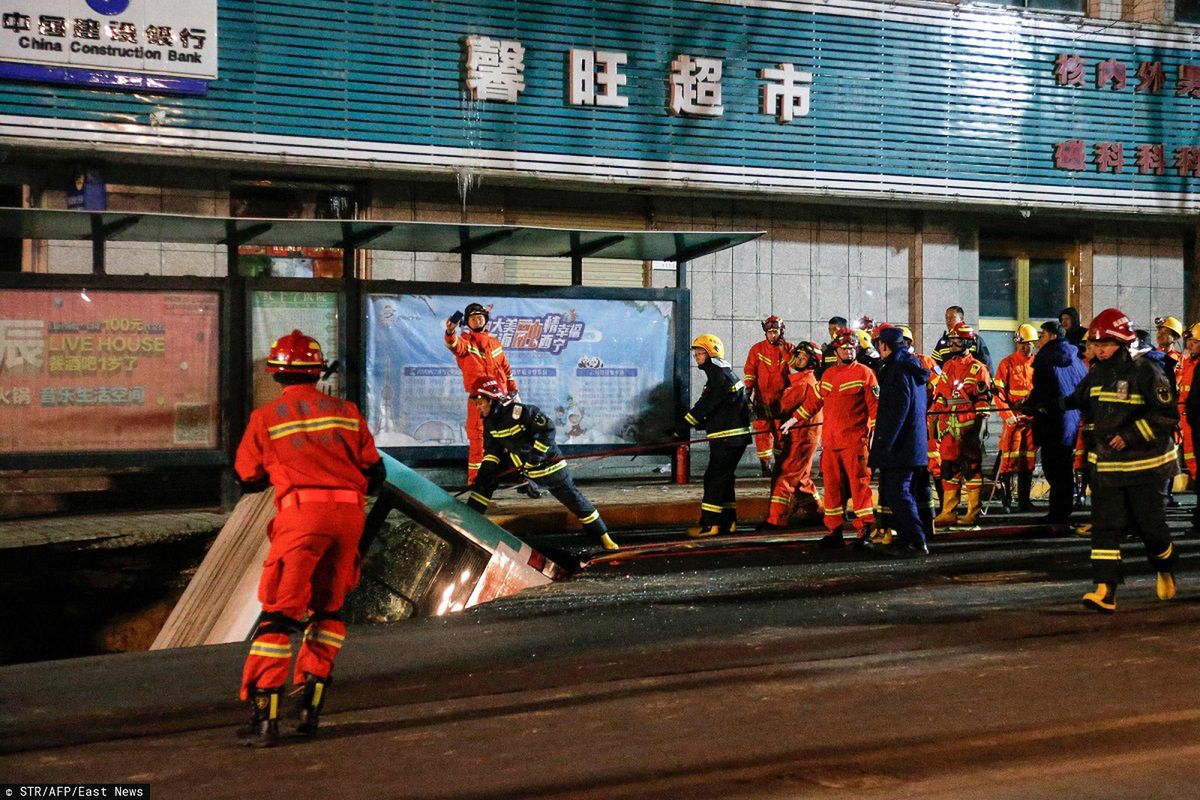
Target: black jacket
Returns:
[722, 410]
[1057, 371]
[901, 439]
[942, 351]
[1129, 397]
[523, 436]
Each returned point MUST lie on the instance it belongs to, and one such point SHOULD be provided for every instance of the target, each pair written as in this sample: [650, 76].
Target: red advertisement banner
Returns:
[108, 370]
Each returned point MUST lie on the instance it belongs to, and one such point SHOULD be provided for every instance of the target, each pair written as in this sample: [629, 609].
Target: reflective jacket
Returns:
[722, 411]
[849, 394]
[522, 436]
[961, 395]
[802, 388]
[1130, 398]
[1014, 381]
[767, 370]
[480, 354]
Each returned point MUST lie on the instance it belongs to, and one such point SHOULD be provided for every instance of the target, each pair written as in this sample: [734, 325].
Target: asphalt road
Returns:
[784, 672]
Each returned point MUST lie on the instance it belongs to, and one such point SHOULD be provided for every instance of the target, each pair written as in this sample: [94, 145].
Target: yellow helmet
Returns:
[710, 344]
[906, 332]
[864, 338]
[1025, 333]
[1171, 324]
[1194, 331]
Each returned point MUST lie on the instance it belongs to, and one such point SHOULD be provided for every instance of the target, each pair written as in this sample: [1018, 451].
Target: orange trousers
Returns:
[312, 565]
[474, 441]
[765, 438]
[792, 488]
[847, 478]
[1017, 452]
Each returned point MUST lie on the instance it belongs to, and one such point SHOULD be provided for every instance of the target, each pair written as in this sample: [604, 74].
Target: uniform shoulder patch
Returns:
[1164, 394]
[875, 390]
[539, 419]
[516, 413]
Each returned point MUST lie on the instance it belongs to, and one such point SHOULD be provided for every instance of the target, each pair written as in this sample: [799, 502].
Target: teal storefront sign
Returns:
[910, 101]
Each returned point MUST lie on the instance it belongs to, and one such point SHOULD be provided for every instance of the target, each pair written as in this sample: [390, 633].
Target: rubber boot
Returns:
[1006, 493]
[1024, 489]
[1166, 586]
[765, 467]
[949, 515]
[311, 702]
[608, 542]
[833, 539]
[263, 728]
[971, 518]
[704, 530]
[1102, 598]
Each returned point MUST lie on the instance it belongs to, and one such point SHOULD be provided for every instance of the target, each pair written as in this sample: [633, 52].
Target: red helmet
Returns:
[845, 336]
[880, 328]
[1111, 324]
[962, 331]
[488, 387]
[773, 322]
[296, 354]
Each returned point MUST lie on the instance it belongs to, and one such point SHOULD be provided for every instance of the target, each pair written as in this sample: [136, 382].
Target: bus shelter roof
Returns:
[398, 235]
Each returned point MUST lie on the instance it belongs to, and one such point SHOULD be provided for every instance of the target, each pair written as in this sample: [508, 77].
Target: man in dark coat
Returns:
[1073, 332]
[899, 450]
[1057, 370]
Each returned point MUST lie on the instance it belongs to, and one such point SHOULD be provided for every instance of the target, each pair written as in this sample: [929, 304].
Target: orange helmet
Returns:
[296, 354]
[962, 331]
[1112, 324]
[844, 337]
[488, 387]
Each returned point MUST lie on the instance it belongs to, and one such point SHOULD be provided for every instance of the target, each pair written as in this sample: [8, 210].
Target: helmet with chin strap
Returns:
[296, 354]
[1111, 324]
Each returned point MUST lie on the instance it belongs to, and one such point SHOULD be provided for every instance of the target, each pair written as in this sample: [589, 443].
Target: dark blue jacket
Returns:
[1057, 370]
[1165, 363]
[900, 435]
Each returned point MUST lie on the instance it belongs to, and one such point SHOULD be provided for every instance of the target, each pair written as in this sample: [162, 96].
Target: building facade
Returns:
[900, 157]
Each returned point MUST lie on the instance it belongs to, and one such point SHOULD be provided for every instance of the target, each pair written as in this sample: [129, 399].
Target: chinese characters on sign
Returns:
[142, 364]
[549, 333]
[1071, 155]
[494, 69]
[163, 37]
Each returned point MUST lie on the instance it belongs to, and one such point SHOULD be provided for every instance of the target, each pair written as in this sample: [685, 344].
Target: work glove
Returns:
[788, 425]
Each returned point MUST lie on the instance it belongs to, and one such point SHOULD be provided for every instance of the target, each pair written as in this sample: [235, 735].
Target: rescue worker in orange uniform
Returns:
[479, 354]
[1185, 373]
[792, 490]
[318, 454]
[724, 414]
[1168, 332]
[766, 376]
[960, 404]
[849, 394]
[1014, 381]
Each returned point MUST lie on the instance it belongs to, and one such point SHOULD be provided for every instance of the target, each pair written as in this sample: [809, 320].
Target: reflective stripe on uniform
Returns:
[311, 426]
[268, 650]
[1115, 397]
[1106, 555]
[590, 518]
[478, 498]
[550, 470]
[1165, 554]
[324, 637]
[540, 447]
[730, 432]
[507, 432]
[1144, 429]
[1133, 466]
[690, 419]
[715, 509]
[490, 458]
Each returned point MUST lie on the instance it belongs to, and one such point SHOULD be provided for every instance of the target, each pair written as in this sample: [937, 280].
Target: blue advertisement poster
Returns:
[601, 368]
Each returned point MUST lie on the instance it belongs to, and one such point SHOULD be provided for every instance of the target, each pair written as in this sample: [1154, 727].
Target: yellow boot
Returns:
[949, 515]
[1102, 598]
[974, 494]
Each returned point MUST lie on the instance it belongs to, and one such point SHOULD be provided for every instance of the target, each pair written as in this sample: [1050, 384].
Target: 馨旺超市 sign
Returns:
[153, 37]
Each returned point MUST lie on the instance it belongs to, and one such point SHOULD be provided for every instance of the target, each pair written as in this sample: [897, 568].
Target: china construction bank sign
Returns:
[160, 44]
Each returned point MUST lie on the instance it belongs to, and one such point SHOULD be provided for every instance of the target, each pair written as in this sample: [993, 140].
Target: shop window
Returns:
[1187, 11]
[291, 200]
[1017, 287]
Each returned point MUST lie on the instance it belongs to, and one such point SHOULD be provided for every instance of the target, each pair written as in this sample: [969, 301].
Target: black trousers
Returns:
[896, 491]
[719, 504]
[1058, 464]
[1118, 510]
[560, 484]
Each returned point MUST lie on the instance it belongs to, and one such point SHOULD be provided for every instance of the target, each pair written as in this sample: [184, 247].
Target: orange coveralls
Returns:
[793, 487]
[314, 448]
[1014, 381]
[478, 354]
[961, 395]
[766, 374]
[849, 394]
[1184, 375]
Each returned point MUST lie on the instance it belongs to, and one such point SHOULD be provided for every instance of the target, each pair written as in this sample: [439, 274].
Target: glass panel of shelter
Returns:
[290, 200]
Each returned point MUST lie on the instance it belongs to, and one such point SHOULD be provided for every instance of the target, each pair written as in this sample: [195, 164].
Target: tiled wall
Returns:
[1142, 277]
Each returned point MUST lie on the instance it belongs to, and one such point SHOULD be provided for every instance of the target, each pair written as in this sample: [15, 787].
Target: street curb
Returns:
[623, 517]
